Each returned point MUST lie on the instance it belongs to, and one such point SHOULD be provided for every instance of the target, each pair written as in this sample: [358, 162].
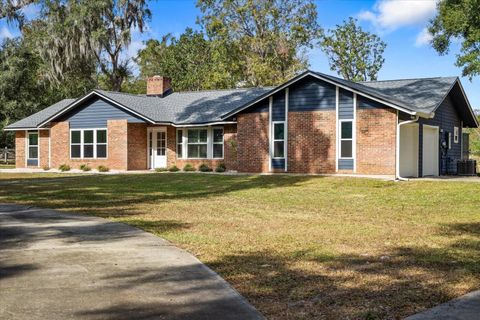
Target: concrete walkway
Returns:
[56, 265]
[466, 307]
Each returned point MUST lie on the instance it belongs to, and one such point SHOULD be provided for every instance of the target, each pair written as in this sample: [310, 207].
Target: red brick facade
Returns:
[376, 141]
[252, 142]
[311, 142]
[20, 145]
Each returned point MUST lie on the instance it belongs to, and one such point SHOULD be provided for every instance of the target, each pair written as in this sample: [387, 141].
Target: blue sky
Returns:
[400, 23]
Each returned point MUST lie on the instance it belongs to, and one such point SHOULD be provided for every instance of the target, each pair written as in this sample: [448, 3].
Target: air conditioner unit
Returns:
[467, 167]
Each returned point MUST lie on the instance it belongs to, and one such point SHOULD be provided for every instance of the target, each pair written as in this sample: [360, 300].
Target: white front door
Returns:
[157, 141]
[430, 151]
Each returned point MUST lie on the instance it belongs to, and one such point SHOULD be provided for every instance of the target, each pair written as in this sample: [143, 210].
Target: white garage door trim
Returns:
[430, 150]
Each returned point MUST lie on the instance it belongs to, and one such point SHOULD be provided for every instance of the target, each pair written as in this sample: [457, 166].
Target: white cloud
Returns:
[388, 15]
[5, 33]
[423, 38]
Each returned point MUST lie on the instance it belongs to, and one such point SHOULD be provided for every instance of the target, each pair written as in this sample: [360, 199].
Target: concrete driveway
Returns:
[56, 265]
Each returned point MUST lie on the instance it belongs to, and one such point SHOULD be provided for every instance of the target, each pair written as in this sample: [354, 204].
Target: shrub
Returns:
[188, 167]
[221, 167]
[103, 169]
[85, 167]
[204, 168]
[64, 167]
[161, 169]
[173, 168]
[46, 168]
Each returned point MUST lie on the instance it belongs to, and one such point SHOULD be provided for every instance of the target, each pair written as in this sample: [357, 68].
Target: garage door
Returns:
[430, 151]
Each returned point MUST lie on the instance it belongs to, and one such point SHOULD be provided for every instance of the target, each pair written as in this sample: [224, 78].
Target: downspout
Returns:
[397, 169]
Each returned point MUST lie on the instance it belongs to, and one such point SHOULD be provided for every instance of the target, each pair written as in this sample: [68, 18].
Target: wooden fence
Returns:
[7, 156]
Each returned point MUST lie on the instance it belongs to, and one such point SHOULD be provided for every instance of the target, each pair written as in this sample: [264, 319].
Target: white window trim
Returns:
[27, 156]
[343, 139]
[82, 144]
[456, 133]
[182, 143]
[275, 140]
[209, 143]
[222, 143]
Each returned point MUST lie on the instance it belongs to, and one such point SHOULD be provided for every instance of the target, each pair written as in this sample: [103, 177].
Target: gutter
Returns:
[397, 167]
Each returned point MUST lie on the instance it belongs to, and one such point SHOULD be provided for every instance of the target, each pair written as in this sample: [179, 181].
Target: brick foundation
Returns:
[376, 141]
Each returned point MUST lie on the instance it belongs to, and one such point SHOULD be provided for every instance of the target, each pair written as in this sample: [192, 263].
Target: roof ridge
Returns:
[213, 90]
[404, 79]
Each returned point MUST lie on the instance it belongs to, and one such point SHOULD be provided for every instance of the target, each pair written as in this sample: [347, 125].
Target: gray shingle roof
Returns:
[35, 119]
[187, 107]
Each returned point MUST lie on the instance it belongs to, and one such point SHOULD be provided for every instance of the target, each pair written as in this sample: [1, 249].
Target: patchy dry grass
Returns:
[7, 166]
[296, 246]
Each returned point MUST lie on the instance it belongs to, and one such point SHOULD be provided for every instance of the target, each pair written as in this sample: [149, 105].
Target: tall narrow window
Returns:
[179, 143]
[161, 143]
[150, 142]
[455, 134]
[101, 146]
[197, 143]
[279, 140]
[32, 146]
[346, 139]
[218, 143]
[75, 144]
[88, 144]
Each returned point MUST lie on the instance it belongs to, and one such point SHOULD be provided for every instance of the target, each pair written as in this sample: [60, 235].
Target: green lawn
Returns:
[296, 246]
[7, 166]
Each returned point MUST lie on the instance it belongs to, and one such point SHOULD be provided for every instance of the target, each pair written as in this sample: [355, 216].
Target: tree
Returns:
[81, 31]
[353, 53]
[192, 61]
[459, 19]
[269, 35]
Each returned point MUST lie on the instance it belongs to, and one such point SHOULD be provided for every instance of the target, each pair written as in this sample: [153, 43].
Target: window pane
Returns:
[217, 135]
[203, 135]
[218, 150]
[101, 136]
[347, 130]
[193, 136]
[202, 151]
[278, 151]
[179, 151]
[33, 152]
[75, 151]
[88, 136]
[88, 151]
[346, 147]
[75, 136]
[102, 151]
[179, 136]
[33, 139]
[278, 131]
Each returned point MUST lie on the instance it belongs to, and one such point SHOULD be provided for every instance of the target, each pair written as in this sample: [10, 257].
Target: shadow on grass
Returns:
[398, 283]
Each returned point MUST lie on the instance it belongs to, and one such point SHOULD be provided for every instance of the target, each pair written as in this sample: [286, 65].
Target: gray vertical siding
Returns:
[95, 114]
[345, 104]
[278, 106]
[261, 106]
[311, 94]
[446, 118]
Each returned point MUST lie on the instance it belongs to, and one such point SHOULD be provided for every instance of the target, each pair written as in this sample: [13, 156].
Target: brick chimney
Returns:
[159, 86]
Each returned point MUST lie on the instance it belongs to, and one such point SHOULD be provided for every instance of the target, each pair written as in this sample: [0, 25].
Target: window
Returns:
[217, 143]
[346, 139]
[161, 143]
[88, 143]
[278, 139]
[455, 134]
[179, 144]
[32, 146]
[197, 140]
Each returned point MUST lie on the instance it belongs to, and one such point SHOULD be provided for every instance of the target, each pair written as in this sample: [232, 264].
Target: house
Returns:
[314, 123]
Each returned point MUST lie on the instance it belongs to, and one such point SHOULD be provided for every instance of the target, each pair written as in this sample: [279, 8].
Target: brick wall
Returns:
[376, 140]
[311, 142]
[117, 147]
[44, 137]
[137, 146]
[20, 149]
[252, 142]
